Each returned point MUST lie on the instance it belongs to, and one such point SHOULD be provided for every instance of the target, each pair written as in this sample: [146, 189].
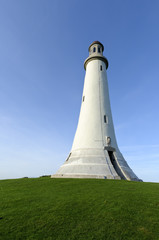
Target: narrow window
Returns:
[99, 49]
[105, 118]
[83, 98]
[94, 49]
[101, 67]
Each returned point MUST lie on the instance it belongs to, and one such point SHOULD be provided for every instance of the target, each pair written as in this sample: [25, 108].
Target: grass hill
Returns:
[78, 209]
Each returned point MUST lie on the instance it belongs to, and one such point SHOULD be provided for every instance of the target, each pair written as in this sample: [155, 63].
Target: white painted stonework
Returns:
[94, 152]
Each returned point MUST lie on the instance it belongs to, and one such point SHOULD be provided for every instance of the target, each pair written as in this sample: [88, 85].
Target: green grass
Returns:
[78, 209]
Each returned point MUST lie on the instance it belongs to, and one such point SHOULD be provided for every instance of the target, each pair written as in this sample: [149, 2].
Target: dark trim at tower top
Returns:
[90, 58]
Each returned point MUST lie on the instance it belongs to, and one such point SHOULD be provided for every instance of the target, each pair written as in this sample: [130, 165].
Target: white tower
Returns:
[94, 152]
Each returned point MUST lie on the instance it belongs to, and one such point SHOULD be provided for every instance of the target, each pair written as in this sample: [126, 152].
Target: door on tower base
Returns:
[115, 164]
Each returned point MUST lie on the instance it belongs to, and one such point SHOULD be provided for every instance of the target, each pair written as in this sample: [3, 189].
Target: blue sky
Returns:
[43, 44]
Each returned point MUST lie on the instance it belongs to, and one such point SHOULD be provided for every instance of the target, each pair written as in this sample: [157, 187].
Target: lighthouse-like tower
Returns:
[95, 153]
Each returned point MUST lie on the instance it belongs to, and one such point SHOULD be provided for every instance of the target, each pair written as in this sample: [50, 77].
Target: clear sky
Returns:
[43, 44]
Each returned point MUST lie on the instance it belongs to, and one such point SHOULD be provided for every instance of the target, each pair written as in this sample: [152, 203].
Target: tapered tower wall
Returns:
[95, 120]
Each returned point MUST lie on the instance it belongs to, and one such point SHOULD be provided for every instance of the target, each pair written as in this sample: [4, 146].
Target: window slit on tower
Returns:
[101, 67]
[83, 98]
[99, 49]
[105, 119]
[94, 49]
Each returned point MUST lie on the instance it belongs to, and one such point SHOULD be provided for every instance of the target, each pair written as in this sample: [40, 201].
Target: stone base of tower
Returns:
[84, 176]
[96, 163]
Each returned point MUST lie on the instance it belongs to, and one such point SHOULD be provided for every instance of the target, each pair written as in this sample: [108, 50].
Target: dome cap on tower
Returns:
[96, 42]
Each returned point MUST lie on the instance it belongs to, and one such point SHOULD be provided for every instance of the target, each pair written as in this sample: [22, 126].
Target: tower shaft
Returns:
[94, 152]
